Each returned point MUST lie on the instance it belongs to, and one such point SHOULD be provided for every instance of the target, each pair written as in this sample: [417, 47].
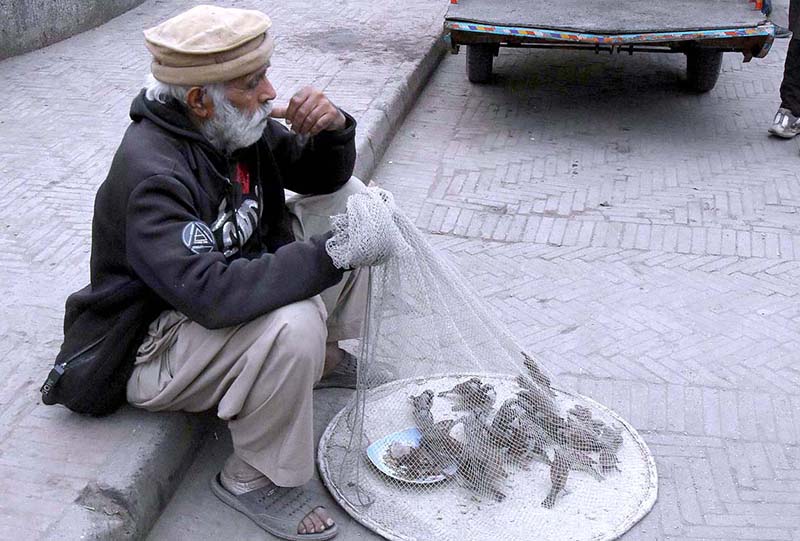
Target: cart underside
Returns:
[702, 29]
[610, 16]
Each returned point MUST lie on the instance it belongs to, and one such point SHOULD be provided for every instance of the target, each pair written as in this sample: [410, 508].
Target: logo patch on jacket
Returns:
[198, 238]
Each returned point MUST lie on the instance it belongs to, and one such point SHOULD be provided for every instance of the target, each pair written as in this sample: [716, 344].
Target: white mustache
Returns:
[262, 113]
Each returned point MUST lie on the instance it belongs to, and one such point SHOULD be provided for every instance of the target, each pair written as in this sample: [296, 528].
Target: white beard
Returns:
[231, 129]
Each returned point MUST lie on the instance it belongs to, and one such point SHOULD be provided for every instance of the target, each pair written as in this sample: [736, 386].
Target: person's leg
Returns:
[790, 86]
[346, 301]
[260, 375]
[786, 123]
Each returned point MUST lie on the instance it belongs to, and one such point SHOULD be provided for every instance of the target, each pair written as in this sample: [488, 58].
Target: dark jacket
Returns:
[160, 241]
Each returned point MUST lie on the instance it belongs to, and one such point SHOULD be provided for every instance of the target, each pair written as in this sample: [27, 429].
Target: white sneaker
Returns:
[785, 125]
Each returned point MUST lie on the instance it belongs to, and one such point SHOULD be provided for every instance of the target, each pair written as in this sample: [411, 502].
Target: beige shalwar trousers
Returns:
[260, 374]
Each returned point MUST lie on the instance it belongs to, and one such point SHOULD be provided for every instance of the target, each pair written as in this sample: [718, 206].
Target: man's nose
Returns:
[267, 91]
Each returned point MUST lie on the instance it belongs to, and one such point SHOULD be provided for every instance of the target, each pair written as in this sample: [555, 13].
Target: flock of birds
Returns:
[526, 427]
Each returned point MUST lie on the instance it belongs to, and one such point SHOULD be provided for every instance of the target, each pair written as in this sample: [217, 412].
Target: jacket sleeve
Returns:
[196, 279]
[314, 165]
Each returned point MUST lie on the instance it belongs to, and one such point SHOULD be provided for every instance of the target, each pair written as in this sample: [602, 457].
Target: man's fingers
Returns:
[312, 119]
[296, 102]
[308, 112]
[323, 123]
[301, 118]
[278, 111]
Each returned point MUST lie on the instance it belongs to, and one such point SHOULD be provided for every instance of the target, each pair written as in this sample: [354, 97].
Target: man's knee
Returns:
[301, 335]
[354, 185]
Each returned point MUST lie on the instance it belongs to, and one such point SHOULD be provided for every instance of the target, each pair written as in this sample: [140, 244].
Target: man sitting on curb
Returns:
[226, 297]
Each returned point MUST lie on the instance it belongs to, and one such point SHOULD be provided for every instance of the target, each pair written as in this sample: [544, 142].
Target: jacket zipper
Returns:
[59, 369]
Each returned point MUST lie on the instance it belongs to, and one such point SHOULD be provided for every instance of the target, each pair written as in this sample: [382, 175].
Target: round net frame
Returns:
[455, 432]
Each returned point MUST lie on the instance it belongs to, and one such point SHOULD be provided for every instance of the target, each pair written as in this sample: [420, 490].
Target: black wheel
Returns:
[702, 69]
[479, 62]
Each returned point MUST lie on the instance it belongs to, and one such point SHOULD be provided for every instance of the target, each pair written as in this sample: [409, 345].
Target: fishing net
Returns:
[455, 432]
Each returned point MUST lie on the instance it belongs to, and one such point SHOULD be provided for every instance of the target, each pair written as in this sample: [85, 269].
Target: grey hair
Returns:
[155, 90]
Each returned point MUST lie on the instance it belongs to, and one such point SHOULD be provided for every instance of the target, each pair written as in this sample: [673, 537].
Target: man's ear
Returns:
[200, 103]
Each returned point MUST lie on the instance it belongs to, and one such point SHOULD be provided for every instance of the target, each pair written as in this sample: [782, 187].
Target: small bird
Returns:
[481, 465]
[580, 461]
[473, 396]
[534, 400]
[611, 438]
[597, 425]
[482, 475]
[608, 461]
[535, 441]
[501, 427]
[535, 372]
[441, 446]
[559, 471]
[423, 417]
[464, 388]
[581, 413]
[581, 438]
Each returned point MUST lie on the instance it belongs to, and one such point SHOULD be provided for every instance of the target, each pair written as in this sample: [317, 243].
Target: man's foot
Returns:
[785, 125]
[344, 373]
[285, 512]
[277, 510]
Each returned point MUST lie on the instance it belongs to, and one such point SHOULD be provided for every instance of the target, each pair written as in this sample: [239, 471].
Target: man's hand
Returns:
[310, 112]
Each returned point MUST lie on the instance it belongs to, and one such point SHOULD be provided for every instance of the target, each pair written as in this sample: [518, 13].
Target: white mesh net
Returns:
[455, 432]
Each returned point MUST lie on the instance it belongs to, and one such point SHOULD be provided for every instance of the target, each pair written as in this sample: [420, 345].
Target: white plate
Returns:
[410, 437]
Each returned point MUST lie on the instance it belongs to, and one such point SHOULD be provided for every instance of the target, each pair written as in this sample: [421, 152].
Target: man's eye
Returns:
[253, 83]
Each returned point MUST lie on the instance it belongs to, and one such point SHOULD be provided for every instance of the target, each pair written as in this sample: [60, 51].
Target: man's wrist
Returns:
[340, 123]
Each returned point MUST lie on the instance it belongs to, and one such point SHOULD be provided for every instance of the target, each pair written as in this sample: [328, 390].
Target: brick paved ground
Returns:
[63, 113]
[645, 244]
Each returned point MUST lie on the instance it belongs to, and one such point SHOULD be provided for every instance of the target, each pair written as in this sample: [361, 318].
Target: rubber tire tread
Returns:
[703, 67]
[479, 63]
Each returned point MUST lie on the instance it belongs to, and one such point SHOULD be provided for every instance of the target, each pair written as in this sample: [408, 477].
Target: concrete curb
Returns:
[376, 126]
[135, 485]
[137, 482]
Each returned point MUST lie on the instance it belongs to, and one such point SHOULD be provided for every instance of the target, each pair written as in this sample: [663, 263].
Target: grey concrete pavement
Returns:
[643, 242]
[64, 111]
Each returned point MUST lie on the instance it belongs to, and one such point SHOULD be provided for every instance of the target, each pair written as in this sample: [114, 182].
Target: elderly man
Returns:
[206, 290]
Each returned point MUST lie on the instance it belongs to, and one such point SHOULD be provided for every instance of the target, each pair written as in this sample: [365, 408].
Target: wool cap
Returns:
[209, 44]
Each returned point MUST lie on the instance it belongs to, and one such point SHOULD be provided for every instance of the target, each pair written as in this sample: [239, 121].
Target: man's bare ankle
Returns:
[333, 356]
[238, 477]
[237, 488]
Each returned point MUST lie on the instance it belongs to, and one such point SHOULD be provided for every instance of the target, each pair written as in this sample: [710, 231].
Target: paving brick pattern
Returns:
[644, 243]
[63, 112]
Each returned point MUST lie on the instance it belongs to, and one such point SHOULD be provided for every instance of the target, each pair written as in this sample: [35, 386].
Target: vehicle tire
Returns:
[702, 69]
[479, 62]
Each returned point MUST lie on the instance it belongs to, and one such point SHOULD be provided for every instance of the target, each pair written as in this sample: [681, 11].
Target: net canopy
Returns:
[455, 432]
